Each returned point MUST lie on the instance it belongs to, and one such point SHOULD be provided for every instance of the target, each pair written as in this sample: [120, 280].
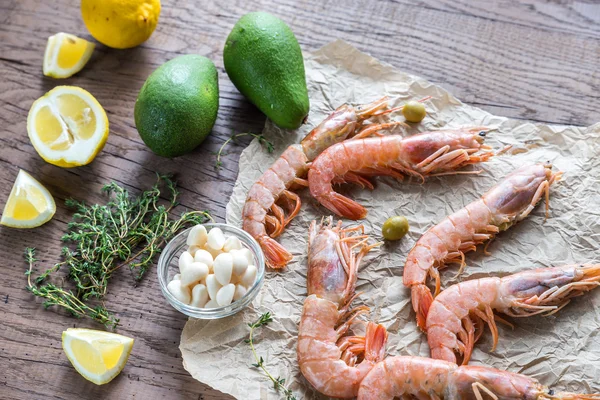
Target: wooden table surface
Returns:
[530, 59]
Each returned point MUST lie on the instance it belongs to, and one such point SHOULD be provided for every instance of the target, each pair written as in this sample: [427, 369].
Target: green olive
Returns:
[394, 228]
[414, 111]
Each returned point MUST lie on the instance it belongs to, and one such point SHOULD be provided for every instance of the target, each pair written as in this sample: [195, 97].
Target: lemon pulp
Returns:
[27, 203]
[92, 360]
[77, 115]
[99, 357]
[49, 129]
[71, 51]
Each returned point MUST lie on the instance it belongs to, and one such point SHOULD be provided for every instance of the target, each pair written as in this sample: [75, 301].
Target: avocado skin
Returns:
[264, 61]
[177, 105]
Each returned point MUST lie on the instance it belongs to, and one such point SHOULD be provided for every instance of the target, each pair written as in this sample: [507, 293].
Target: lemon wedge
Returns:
[66, 55]
[67, 126]
[29, 204]
[97, 355]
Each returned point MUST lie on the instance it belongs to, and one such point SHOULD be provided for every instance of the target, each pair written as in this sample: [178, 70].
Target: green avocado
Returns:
[263, 60]
[177, 106]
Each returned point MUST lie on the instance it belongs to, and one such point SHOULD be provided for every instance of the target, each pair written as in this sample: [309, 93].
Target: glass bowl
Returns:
[168, 266]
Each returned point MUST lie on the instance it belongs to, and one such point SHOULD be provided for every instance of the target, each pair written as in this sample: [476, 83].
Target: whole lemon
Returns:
[120, 24]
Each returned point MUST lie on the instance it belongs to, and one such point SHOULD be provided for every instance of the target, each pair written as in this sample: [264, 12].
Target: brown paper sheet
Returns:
[562, 351]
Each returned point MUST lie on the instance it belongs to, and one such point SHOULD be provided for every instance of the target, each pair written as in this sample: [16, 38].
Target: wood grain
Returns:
[533, 60]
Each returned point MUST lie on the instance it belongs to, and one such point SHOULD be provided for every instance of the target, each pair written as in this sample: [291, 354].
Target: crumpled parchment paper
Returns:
[562, 351]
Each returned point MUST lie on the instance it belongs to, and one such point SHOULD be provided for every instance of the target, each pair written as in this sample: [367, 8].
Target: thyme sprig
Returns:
[279, 382]
[126, 231]
[56, 295]
[261, 139]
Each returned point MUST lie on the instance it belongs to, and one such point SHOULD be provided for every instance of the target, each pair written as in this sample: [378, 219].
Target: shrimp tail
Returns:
[421, 300]
[375, 341]
[343, 206]
[276, 256]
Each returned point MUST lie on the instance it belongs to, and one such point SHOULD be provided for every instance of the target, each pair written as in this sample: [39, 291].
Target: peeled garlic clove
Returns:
[185, 259]
[199, 296]
[176, 277]
[192, 250]
[240, 263]
[214, 253]
[232, 243]
[225, 295]
[212, 286]
[248, 254]
[211, 304]
[249, 276]
[240, 291]
[197, 236]
[222, 267]
[204, 257]
[194, 273]
[216, 239]
[179, 292]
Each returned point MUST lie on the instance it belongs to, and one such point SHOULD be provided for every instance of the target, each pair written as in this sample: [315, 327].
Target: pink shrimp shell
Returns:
[319, 357]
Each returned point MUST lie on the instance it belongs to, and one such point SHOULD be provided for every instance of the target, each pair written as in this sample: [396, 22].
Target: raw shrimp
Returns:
[424, 378]
[510, 201]
[456, 317]
[333, 363]
[261, 216]
[424, 154]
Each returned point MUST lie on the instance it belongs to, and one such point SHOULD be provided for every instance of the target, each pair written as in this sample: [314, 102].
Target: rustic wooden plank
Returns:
[527, 59]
